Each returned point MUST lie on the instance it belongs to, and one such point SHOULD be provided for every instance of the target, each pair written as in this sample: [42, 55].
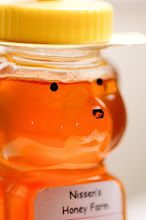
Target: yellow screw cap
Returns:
[57, 22]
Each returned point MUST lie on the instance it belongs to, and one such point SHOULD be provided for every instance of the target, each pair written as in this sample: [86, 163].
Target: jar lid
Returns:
[56, 22]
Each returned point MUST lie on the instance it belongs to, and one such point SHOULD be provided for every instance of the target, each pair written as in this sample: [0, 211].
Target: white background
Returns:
[128, 161]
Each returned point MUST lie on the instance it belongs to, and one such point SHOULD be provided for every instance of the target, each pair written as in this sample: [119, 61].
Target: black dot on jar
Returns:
[54, 87]
[99, 82]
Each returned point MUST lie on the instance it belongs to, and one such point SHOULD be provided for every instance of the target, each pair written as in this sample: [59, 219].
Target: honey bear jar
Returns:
[61, 112]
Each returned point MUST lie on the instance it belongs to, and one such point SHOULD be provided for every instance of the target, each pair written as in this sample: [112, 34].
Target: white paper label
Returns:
[100, 200]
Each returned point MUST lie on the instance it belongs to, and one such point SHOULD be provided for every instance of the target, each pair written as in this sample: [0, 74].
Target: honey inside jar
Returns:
[61, 113]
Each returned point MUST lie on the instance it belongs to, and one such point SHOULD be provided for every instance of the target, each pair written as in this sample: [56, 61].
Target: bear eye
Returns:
[99, 82]
[54, 87]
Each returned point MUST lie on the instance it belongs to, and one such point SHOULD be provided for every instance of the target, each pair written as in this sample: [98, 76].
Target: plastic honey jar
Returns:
[61, 112]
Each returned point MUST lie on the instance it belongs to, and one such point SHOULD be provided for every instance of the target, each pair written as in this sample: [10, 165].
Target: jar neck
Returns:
[55, 55]
[77, 62]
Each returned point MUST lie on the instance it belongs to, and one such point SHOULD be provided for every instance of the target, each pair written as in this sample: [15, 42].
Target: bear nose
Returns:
[98, 113]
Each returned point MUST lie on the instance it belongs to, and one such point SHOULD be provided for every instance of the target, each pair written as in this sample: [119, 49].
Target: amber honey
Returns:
[55, 133]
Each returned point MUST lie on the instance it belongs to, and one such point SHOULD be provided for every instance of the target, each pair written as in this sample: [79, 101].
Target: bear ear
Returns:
[99, 81]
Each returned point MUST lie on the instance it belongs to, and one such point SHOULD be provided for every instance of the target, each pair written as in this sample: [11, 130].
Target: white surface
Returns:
[137, 208]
